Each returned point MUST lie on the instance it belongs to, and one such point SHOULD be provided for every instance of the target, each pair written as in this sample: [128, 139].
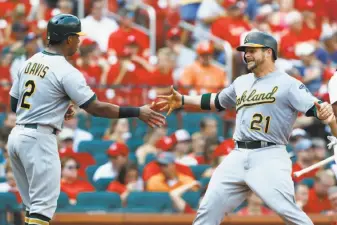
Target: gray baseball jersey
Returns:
[266, 107]
[44, 87]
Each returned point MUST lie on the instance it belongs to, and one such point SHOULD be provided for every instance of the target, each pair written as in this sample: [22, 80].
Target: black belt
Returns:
[254, 144]
[35, 125]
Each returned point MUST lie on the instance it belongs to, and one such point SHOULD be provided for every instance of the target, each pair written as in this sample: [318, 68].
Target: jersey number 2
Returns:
[257, 120]
[30, 85]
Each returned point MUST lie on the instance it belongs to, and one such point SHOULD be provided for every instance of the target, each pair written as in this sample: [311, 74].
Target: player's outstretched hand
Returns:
[70, 113]
[170, 102]
[150, 117]
[325, 112]
[333, 142]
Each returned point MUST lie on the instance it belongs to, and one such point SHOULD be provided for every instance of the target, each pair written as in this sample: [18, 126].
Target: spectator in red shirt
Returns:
[318, 201]
[66, 142]
[231, 27]
[332, 195]
[128, 180]
[305, 157]
[255, 207]
[301, 195]
[119, 39]
[70, 184]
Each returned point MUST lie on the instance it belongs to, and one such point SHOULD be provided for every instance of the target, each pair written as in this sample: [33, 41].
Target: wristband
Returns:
[182, 100]
[128, 112]
[206, 101]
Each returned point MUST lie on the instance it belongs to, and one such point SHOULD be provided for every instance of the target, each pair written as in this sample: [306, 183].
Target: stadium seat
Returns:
[101, 158]
[102, 184]
[149, 158]
[134, 142]
[172, 122]
[2, 118]
[150, 200]
[204, 181]
[97, 201]
[90, 171]
[192, 198]
[94, 146]
[63, 202]
[2, 179]
[198, 170]
[82, 121]
[8, 203]
[97, 132]
[308, 181]
[99, 122]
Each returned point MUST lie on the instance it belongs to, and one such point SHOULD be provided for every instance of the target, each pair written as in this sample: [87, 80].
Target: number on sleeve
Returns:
[30, 85]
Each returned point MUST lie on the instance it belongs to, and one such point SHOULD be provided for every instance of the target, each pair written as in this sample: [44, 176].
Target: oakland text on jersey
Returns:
[36, 69]
[255, 98]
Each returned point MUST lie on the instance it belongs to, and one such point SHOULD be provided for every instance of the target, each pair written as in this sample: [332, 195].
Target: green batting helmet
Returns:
[63, 25]
[257, 39]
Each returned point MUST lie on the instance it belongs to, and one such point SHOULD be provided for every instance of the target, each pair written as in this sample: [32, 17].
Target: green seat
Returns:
[192, 198]
[8, 203]
[2, 179]
[172, 121]
[97, 201]
[97, 132]
[134, 142]
[82, 121]
[191, 121]
[90, 171]
[308, 182]
[102, 184]
[99, 122]
[94, 147]
[101, 158]
[149, 158]
[198, 170]
[150, 200]
[62, 202]
[133, 158]
[2, 118]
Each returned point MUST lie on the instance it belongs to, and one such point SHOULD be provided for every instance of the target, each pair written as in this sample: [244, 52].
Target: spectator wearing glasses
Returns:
[70, 183]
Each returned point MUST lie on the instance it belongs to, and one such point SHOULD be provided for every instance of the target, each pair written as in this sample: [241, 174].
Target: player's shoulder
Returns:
[244, 77]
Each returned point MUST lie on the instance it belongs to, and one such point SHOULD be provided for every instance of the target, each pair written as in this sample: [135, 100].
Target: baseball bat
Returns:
[314, 166]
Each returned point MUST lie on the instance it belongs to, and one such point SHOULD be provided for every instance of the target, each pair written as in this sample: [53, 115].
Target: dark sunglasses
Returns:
[73, 167]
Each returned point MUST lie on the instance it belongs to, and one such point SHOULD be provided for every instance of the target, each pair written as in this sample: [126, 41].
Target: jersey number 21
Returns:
[30, 85]
[257, 120]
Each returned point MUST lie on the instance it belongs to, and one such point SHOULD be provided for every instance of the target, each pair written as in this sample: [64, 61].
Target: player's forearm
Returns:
[200, 103]
[333, 127]
[107, 110]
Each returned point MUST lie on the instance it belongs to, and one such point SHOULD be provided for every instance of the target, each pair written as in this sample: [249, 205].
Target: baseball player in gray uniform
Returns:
[267, 103]
[40, 96]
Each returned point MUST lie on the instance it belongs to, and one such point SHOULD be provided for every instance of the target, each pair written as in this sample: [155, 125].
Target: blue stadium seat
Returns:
[97, 132]
[2, 179]
[102, 184]
[192, 198]
[150, 200]
[172, 121]
[140, 130]
[198, 170]
[308, 181]
[8, 203]
[90, 171]
[97, 201]
[94, 146]
[63, 202]
[101, 158]
[82, 121]
[149, 158]
[99, 122]
[2, 118]
[133, 158]
[204, 181]
[134, 142]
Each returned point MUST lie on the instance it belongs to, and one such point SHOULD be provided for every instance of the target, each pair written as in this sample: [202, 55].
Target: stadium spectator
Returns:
[118, 131]
[185, 56]
[10, 120]
[301, 195]
[319, 149]
[66, 141]
[97, 26]
[182, 148]
[70, 183]
[231, 27]
[305, 158]
[327, 52]
[150, 139]
[79, 134]
[310, 70]
[118, 39]
[127, 180]
[118, 156]
[318, 201]
[198, 146]
[208, 128]
[203, 75]
[255, 207]
[332, 195]
[169, 177]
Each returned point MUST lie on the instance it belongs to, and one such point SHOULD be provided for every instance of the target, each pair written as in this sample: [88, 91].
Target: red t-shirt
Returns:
[315, 204]
[117, 187]
[92, 73]
[188, 209]
[73, 189]
[297, 167]
[230, 29]
[158, 78]
[153, 168]
[118, 40]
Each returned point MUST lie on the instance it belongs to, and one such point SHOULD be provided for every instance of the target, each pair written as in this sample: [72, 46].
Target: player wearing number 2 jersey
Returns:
[267, 102]
[40, 96]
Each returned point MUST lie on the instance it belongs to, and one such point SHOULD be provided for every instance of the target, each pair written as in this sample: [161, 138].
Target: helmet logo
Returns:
[246, 39]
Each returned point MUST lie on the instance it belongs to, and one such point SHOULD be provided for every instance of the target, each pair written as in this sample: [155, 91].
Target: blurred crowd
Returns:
[116, 60]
